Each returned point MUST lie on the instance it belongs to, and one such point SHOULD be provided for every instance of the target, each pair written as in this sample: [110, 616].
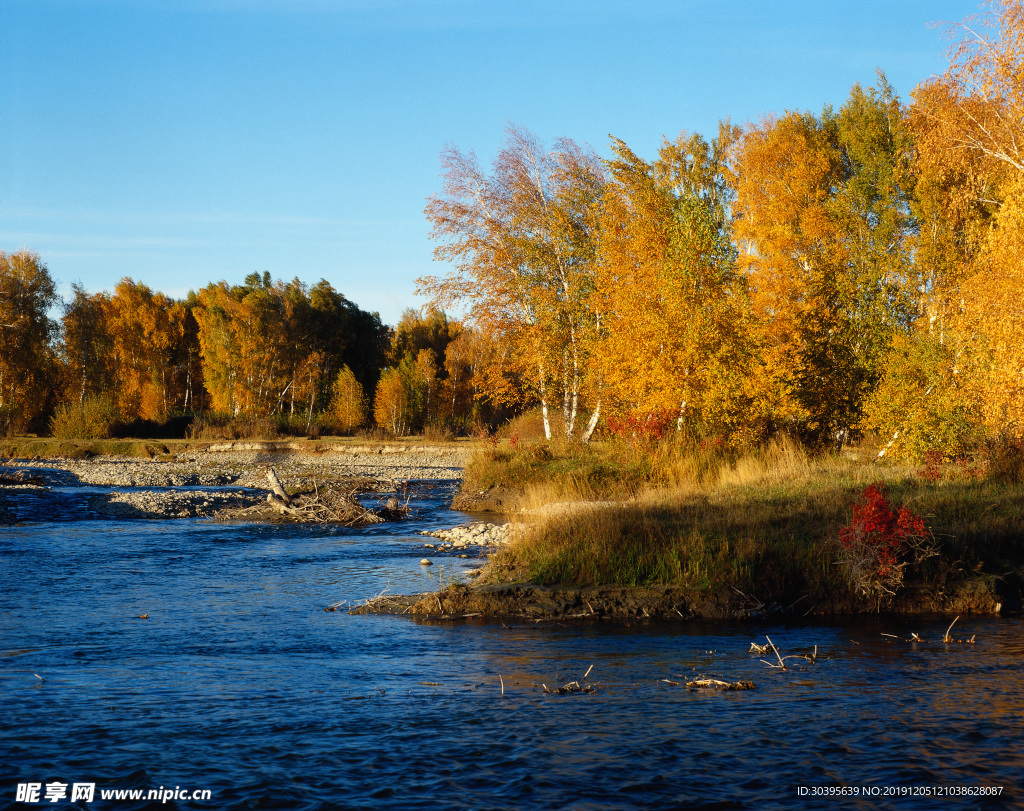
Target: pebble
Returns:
[477, 534]
[241, 472]
[426, 562]
[243, 468]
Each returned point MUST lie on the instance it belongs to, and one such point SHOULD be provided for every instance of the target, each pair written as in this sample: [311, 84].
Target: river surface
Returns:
[241, 684]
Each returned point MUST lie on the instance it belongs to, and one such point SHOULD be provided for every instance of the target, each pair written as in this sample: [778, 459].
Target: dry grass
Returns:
[765, 523]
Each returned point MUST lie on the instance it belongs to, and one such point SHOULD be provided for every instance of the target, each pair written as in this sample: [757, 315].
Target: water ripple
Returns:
[240, 683]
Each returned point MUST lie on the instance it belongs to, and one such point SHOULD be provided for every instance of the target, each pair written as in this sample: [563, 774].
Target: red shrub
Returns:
[651, 427]
[879, 542]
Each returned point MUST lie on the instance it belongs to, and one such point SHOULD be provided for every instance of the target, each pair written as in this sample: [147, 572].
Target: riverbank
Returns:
[670, 532]
[979, 596]
[228, 481]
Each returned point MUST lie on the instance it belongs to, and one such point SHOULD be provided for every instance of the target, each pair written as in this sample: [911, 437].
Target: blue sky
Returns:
[181, 142]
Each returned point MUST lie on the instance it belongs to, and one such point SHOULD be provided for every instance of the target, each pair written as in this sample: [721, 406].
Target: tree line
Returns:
[824, 274]
[305, 358]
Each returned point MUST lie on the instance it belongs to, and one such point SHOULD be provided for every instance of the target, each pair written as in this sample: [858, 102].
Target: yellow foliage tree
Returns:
[349, 403]
[522, 241]
[670, 299]
[391, 403]
[824, 228]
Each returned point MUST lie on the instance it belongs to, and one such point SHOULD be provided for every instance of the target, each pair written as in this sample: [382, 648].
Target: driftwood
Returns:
[331, 505]
[21, 477]
[578, 686]
[703, 683]
[946, 638]
[755, 648]
[277, 487]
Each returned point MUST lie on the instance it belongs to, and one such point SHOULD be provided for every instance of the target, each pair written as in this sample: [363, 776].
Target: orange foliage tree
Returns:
[146, 330]
[27, 362]
[672, 305]
[969, 128]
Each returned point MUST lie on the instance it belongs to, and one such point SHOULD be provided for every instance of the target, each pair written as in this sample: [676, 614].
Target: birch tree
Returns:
[825, 228]
[522, 239]
[673, 302]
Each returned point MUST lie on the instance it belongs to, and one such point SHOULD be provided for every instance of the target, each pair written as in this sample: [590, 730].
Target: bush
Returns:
[999, 459]
[93, 418]
[879, 543]
[437, 432]
[1004, 458]
[212, 425]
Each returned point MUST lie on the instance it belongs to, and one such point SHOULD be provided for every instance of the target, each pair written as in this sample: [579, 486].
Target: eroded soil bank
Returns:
[978, 595]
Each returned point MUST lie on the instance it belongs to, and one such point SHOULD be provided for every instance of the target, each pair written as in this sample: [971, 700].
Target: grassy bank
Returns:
[766, 524]
[48, 448]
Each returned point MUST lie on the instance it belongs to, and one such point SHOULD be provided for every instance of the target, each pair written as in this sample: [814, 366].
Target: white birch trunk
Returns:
[588, 432]
[544, 404]
[570, 426]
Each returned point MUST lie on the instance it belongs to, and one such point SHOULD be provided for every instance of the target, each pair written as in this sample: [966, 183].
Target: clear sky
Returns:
[181, 142]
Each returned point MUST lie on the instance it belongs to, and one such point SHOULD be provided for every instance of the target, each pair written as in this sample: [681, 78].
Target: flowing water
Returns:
[241, 684]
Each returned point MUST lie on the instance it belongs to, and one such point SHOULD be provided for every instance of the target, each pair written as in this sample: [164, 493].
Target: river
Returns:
[240, 684]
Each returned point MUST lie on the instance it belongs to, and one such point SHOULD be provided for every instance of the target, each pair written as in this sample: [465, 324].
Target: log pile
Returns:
[21, 477]
[336, 505]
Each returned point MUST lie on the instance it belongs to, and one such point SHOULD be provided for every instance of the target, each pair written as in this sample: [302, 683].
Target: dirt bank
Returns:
[978, 595]
[503, 500]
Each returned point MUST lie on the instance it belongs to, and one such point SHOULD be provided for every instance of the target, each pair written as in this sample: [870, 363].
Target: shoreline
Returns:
[226, 481]
[975, 596]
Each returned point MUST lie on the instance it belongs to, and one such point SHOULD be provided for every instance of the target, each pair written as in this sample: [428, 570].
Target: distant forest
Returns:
[263, 355]
[820, 274]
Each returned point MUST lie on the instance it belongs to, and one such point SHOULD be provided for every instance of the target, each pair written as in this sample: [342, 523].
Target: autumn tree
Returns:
[244, 341]
[86, 347]
[671, 300]
[976, 109]
[271, 348]
[146, 332]
[522, 239]
[969, 126]
[391, 402]
[349, 403]
[825, 227]
[27, 362]
[415, 331]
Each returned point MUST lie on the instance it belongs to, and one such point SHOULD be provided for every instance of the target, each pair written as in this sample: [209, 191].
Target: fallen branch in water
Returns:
[20, 477]
[573, 686]
[946, 638]
[704, 683]
[755, 648]
[781, 663]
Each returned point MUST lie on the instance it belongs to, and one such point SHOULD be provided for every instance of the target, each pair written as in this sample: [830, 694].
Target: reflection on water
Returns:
[239, 682]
